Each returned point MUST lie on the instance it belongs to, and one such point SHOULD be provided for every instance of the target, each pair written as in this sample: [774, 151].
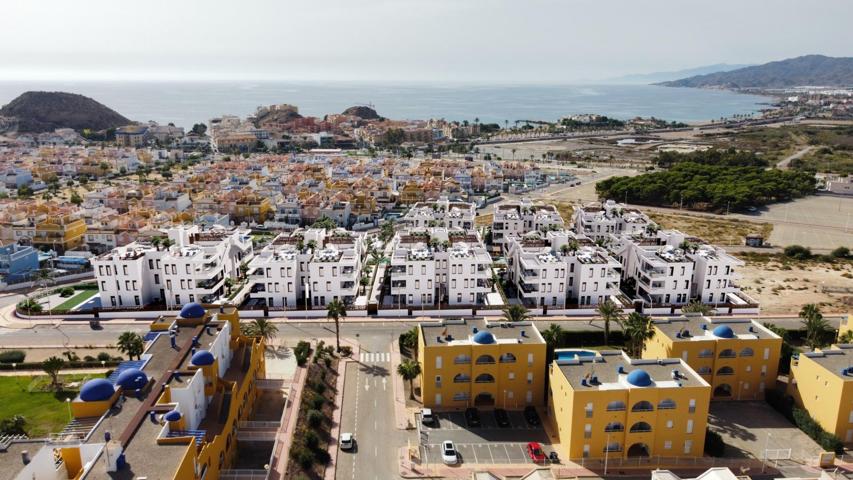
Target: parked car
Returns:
[472, 417]
[535, 452]
[427, 418]
[448, 453]
[347, 441]
[531, 416]
[553, 457]
[501, 418]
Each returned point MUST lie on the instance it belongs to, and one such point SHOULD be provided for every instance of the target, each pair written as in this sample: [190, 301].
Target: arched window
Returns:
[666, 404]
[507, 358]
[643, 406]
[614, 427]
[485, 360]
[725, 371]
[727, 353]
[706, 353]
[462, 359]
[485, 378]
[704, 371]
[461, 378]
[641, 427]
[616, 406]
[746, 352]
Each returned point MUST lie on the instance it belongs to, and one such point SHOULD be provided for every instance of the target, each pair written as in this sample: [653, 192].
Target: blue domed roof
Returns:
[172, 416]
[97, 390]
[193, 310]
[484, 338]
[202, 358]
[724, 331]
[132, 379]
[639, 378]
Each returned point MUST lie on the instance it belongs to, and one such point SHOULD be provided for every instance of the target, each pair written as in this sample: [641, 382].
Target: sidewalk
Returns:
[403, 415]
[284, 436]
[334, 434]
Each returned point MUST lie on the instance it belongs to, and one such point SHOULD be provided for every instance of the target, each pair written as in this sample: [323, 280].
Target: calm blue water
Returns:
[187, 103]
[572, 354]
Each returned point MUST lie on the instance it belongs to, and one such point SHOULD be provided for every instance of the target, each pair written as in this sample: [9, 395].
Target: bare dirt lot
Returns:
[719, 231]
[784, 287]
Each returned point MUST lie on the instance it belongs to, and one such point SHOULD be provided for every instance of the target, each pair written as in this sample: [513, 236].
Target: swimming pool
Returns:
[572, 354]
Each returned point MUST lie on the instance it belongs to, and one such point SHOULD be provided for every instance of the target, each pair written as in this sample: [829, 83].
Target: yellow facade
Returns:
[739, 358]
[666, 418]
[503, 367]
[60, 233]
[821, 382]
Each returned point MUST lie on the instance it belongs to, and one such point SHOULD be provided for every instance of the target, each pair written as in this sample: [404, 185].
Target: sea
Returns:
[186, 103]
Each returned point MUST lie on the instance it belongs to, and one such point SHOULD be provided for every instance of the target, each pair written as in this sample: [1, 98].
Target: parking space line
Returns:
[474, 449]
[508, 458]
[490, 453]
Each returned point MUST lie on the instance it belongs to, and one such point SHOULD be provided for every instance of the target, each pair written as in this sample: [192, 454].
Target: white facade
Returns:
[714, 274]
[192, 269]
[441, 213]
[439, 265]
[598, 221]
[518, 218]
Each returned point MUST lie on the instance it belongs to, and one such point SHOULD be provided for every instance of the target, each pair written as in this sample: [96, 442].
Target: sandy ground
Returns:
[785, 291]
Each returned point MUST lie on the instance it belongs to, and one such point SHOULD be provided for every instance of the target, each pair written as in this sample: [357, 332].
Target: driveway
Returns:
[750, 427]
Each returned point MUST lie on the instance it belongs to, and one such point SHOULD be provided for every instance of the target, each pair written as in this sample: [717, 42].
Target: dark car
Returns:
[501, 418]
[531, 416]
[472, 417]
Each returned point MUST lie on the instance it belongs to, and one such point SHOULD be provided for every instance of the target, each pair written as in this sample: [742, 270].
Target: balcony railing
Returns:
[462, 380]
[462, 360]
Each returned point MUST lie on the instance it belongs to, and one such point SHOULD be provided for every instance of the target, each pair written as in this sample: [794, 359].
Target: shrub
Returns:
[841, 252]
[346, 351]
[104, 357]
[317, 401]
[315, 418]
[301, 352]
[302, 456]
[801, 418]
[12, 356]
[311, 439]
[798, 252]
[318, 387]
[322, 456]
[66, 292]
[89, 358]
[714, 445]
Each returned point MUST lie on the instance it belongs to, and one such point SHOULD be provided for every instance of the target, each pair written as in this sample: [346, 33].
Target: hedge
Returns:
[784, 404]
[12, 356]
[68, 365]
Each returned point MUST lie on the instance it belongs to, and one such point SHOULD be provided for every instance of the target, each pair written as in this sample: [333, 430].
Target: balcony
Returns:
[527, 288]
[398, 284]
[462, 360]
[461, 379]
[529, 273]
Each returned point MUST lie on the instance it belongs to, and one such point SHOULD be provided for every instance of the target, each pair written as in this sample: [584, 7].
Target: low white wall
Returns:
[657, 311]
[490, 313]
[394, 313]
[576, 312]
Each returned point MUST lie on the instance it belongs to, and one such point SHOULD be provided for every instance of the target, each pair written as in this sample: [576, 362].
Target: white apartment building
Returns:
[308, 264]
[714, 275]
[560, 269]
[598, 221]
[192, 269]
[441, 213]
[518, 218]
[437, 265]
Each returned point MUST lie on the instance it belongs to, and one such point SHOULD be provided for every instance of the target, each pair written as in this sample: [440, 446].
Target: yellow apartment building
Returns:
[60, 233]
[739, 358]
[467, 363]
[606, 403]
[821, 382]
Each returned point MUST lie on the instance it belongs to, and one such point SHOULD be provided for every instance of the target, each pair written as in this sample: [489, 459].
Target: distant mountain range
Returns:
[657, 77]
[811, 70]
[36, 112]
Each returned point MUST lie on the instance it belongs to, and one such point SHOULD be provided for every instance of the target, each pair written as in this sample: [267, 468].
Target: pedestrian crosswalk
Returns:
[374, 357]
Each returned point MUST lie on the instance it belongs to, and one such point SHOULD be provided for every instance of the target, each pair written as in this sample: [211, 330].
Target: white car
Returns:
[427, 417]
[347, 442]
[448, 453]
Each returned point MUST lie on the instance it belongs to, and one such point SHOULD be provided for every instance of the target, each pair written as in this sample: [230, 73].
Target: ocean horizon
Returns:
[186, 103]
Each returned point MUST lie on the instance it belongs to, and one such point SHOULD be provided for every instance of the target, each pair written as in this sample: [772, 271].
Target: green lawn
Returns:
[45, 412]
[78, 298]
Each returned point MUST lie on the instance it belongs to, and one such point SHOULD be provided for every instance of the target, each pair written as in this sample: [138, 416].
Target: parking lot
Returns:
[486, 444]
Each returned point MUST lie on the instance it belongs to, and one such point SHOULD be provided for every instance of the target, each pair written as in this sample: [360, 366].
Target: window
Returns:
[529, 378]
[511, 375]
[485, 360]
[438, 361]
[666, 404]
[667, 445]
[690, 426]
[692, 407]
[585, 451]
[616, 406]
[614, 427]
[438, 381]
[587, 430]
[643, 406]
[688, 446]
[588, 410]
[766, 353]
[640, 427]
[529, 359]
[669, 424]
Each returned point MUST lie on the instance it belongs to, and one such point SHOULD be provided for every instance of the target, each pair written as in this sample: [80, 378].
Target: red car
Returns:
[534, 451]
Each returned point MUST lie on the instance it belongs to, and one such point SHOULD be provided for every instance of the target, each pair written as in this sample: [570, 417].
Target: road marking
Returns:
[366, 384]
[490, 453]
[384, 384]
[375, 451]
[508, 458]
[474, 449]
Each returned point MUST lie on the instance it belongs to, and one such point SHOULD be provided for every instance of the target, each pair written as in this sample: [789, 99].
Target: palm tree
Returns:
[131, 344]
[409, 370]
[516, 313]
[695, 306]
[156, 241]
[335, 310]
[52, 366]
[30, 306]
[816, 325]
[409, 340]
[260, 327]
[166, 243]
[637, 329]
[229, 284]
[553, 336]
[610, 312]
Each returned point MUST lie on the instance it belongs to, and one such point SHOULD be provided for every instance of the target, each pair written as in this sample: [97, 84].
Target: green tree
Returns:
[637, 328]
[14, 425]
[260, 327]
[409, 370]
[386, 231]
[816, 326]
[76, 199]
[515, 313]
[325, 223]
[229, 284]
[52, 366]
[335, 310]
[131, 344]
[30, 306]
[609, 312]
[695, 306]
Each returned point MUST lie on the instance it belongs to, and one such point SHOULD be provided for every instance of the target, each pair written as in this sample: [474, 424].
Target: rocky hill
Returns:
[814, 70]
[37, 112]
[365, 113]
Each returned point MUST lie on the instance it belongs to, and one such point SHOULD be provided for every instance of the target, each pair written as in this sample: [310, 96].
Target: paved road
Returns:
[785, 162]
[368, 411]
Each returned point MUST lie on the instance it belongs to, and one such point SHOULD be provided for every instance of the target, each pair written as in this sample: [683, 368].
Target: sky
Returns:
[420, 41]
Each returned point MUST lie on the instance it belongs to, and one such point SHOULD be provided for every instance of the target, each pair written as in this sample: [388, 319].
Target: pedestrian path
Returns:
[374, 357]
